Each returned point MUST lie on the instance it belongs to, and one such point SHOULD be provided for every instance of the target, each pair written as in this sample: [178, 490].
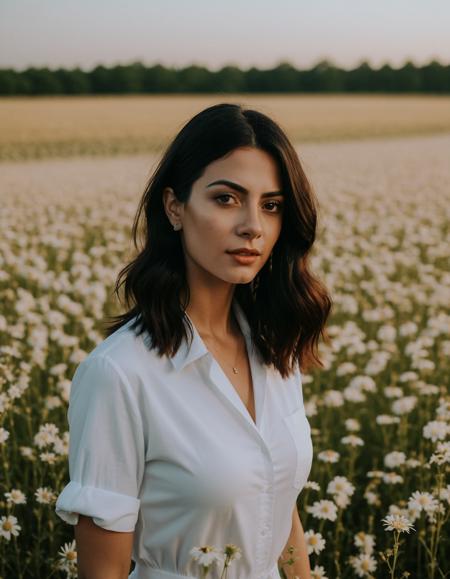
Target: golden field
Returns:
[108, 125]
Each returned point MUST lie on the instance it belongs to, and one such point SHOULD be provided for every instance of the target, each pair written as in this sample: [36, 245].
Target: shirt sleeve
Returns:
[106, 448]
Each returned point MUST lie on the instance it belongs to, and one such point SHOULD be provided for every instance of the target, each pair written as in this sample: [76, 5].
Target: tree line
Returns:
[325, 77]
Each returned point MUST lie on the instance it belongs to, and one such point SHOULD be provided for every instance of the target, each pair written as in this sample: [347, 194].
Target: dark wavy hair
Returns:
[286, 305]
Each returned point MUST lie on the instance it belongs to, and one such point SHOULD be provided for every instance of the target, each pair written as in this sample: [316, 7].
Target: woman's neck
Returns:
[211, 313]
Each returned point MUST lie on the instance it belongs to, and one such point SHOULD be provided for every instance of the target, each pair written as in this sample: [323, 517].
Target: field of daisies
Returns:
[377, 501]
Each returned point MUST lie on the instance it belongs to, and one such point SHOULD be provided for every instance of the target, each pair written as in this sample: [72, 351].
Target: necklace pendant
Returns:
[235, 370]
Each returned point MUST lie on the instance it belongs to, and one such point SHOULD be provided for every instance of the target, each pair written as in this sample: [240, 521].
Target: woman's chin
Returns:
[242, 277]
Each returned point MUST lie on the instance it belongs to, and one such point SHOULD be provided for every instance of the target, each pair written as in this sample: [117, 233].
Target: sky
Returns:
[213, 33]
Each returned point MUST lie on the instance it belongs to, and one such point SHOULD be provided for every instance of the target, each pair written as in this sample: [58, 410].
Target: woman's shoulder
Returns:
[127, 351]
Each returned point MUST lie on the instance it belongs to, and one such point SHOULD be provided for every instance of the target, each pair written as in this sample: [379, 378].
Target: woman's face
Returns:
[220, 218]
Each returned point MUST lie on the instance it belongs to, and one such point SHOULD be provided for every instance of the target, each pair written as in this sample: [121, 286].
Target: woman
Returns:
[187, 423]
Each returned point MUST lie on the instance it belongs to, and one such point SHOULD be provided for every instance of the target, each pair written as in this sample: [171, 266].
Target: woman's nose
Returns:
[251, 223]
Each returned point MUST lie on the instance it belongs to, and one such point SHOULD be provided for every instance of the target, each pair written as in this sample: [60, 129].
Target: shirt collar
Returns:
[188, 353]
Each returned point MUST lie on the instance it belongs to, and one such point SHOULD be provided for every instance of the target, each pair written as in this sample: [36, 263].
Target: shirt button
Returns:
[264, 531]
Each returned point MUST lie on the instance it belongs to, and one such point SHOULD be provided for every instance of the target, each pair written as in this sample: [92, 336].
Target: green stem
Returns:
[436, 528]
[225, 568]
[19, 573]
[396, 535]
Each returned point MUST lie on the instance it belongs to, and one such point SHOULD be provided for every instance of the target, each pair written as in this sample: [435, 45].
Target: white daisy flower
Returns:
[375, 474]
[392, 478]
[342, 500]
[440, 457]
[68, 558]
[46, 435]
[45, 496]
[310, 484]
[393, 392]
[346, 368]
[444, 494]
[206, 555]
[352, 425]
[386, 419]
[16, 497]
[333, 398]
[49, 457]
[372, 498]
[314, 542]
[4, 435]
[397, 523]
[328, 456]
[323, 509]
[365, 542]
[423, 501]
[394, 459]
[363, 564]
[404, 405]
[352, 440]
[9, 526]
[318, 572]
[436, 430]
[340, 484]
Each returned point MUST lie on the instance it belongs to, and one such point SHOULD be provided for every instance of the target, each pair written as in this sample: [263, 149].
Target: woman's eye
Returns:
[272, 206]
[219, 197]
[276, 206]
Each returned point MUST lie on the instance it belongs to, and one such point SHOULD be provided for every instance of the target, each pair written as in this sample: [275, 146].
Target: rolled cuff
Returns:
[110, 510]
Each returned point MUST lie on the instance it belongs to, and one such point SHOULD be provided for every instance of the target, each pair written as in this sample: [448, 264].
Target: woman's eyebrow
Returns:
[240, 188]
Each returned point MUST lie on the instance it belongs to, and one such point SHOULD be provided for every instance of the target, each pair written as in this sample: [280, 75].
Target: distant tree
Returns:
[128, 79]
[229, 79]
[360, 79]
[102, 80]
[136, 78]
[158, 79]
[8, 82]
[257, 80]
[284, 78]
[330, 77]
[408, 78]
[384, 79]
[42, 81]
[435, 77]
[73, 81]
[22, 84]
[323, 77]
[196, 79]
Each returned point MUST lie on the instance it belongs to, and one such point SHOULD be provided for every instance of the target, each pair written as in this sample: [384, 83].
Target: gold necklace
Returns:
[235, 369]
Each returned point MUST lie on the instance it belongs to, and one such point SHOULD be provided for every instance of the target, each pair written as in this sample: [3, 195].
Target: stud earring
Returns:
[177, 226]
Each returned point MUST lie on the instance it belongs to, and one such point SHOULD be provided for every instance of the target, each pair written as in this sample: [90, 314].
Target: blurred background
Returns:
[119, 78]
[90, 95]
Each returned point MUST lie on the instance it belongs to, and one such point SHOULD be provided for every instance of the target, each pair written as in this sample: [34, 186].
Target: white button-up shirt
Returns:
[165, 447]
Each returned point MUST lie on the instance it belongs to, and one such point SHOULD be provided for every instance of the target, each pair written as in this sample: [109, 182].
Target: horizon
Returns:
[88, 70]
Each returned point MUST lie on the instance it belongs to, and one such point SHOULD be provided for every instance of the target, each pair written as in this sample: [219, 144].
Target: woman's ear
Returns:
[172, 207]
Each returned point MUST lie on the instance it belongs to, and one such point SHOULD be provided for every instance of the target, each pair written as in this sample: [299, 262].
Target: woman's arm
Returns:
[301, 567]
[102, 554]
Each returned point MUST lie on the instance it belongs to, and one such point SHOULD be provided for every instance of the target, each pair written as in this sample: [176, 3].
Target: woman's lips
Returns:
[244, 259]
